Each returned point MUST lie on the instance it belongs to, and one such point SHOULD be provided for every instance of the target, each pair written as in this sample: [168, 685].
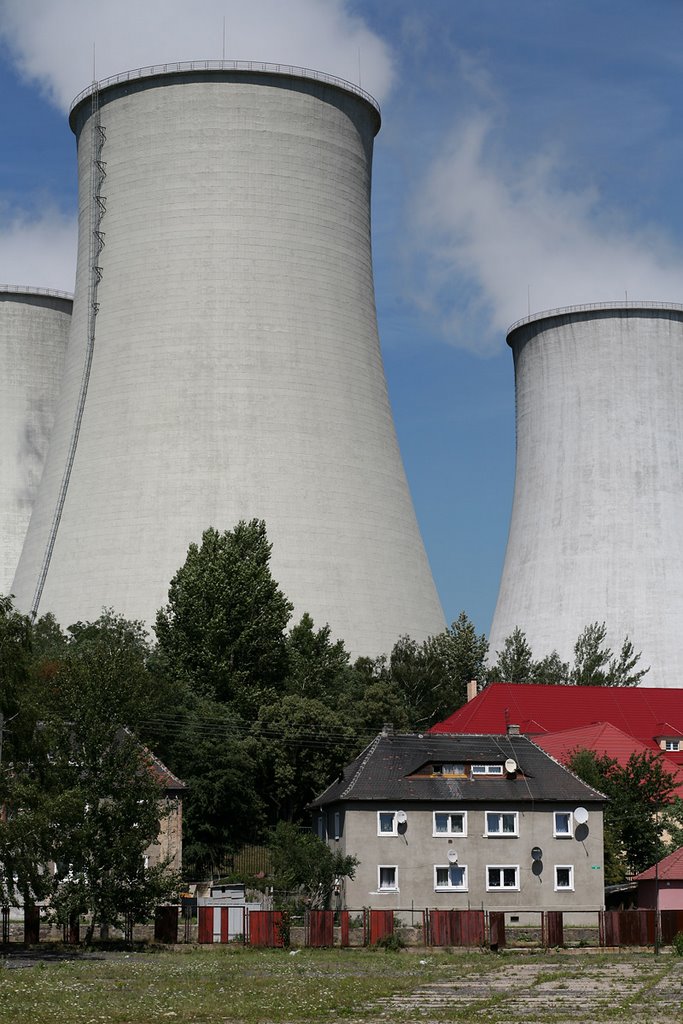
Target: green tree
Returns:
[464, 654]
[550, 671]
[302, 747]
[81, 794]
[224, 624]
[638, 793]
[304, 868]
[594, 664]
[317, 666]
[515, 662]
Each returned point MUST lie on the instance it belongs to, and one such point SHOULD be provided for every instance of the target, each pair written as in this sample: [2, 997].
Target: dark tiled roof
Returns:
[383, 772]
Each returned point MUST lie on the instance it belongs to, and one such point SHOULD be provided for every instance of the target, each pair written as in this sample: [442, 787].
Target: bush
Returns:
[677, 944]
[390, 943]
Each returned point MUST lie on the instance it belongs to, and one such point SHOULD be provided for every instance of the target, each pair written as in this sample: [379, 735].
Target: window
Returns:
[502, 876]
[487, 769]
[320, 827]
[450, 876]
[450, 823]
[563, 824]
[672, 745]
[449, 768]
[564, 878]
[501, 823]
[387, 877]
[337, 825]
[387, 823]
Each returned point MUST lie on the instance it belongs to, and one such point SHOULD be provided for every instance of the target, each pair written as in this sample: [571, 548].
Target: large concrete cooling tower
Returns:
[236, 371]
[597, 521]
[34, 326]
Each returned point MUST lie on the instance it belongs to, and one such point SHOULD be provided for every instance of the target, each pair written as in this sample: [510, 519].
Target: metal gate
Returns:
[496, 929]
[381, 925]
[265, 928]
[627, 927]
[319, 928]
[166, 925]
[552, 928]
[457, 928]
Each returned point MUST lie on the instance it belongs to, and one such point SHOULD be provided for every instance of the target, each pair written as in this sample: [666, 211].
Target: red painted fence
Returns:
[381, 925]
[457, 928]
[266, 928]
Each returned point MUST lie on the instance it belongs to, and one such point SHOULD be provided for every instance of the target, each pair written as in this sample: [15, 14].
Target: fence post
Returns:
[31, 925]
[5, 925]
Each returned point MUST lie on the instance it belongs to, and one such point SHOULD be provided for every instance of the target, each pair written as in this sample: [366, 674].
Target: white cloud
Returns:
[52, 43]
[493, 231]
[38, 252]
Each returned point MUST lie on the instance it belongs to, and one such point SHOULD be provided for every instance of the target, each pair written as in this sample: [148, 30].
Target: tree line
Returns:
[254, 712]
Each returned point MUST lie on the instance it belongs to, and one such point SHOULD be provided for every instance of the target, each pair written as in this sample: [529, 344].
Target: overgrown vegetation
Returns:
[234, 985]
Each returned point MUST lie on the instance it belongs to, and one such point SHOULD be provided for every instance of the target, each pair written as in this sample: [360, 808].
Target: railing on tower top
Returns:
[227, 65]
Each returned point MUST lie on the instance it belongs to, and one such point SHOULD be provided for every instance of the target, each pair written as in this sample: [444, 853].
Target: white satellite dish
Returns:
[401, 817]
[510, 766]
[453, 856]
[581, 815]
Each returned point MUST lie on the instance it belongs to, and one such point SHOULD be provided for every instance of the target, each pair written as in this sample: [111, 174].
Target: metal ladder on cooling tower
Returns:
[98, 206]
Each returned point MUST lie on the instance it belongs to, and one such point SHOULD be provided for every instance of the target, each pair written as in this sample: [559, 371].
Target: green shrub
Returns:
[677, 944]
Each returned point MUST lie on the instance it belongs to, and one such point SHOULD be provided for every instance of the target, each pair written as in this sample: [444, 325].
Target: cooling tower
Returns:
[597, 522]
[224, 361]
[34, 326]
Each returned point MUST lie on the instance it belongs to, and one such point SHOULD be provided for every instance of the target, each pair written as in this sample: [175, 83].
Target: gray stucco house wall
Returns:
[465, 822]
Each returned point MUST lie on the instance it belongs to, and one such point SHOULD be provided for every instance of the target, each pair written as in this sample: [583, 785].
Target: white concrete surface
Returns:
[34, 327]
[597, 523]
[237, 371]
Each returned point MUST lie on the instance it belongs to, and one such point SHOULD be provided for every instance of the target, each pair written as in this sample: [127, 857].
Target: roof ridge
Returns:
[369, 752]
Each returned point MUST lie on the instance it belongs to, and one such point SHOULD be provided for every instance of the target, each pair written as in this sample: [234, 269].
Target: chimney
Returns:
[512, 730]
[471, 690]
[388, 729]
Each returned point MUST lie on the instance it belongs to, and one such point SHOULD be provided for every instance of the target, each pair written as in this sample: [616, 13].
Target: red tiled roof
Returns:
[603, 738]
[639, 712]
[671, 868]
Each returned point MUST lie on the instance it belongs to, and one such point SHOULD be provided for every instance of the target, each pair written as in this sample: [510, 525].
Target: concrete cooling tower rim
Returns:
[47, 293]
[206, 67]
[595, 307]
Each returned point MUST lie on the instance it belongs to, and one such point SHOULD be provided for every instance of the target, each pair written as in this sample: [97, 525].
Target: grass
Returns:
[244, 986]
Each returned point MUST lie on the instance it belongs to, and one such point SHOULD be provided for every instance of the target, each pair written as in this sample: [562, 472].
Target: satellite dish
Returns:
[401, 817]
[453, 856]
[537, 853]
[581, 815]
[510, 766]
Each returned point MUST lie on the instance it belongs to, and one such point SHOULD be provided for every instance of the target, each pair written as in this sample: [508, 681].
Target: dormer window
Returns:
[449, 768]
[672, 744]
[487, 769]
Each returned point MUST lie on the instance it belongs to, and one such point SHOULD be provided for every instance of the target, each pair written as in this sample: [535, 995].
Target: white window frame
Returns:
[564, 867]
[337, 825]
[449, 887]
[488, 769]
[394, 830]
[449, 833]
[387, 888]
[501, 868]
[498, 833]
[672, 745]
[557, 833]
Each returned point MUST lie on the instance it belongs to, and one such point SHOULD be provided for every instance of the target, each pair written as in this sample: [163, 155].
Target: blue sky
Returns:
[530, 157]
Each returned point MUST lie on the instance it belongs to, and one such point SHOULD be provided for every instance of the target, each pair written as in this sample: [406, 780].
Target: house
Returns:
[169, 844]
[662, 884]
[653, 716]
[464, 821]
[606, 741]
